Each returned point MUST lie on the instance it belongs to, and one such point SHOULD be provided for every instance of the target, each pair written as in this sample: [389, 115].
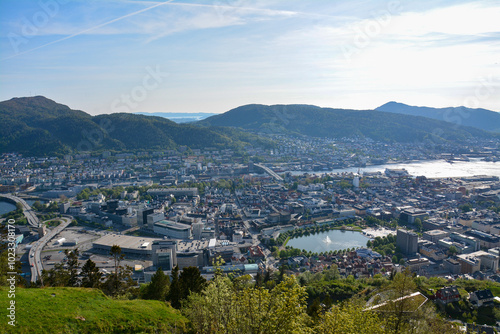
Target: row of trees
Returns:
[175, 289]
[290, 251]
[386, 246]
[118, 283]
[237, 306]
[373, 221]
[311, 303]
[49, 208]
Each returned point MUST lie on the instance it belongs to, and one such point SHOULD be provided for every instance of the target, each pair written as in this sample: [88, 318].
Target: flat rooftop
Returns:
[173, 225]
[436, 232]
[191, 246]
[126, 242]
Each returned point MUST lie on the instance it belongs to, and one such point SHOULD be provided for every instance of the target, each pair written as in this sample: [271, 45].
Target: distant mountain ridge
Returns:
[479, 118]
[179, 117]
[337, 123]
[40, 126]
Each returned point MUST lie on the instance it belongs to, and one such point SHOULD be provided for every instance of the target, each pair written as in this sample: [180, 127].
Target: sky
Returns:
[211, 56]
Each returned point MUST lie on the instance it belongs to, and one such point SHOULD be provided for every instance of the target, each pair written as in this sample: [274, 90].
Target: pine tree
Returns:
[158, 287]
[191, 280]
[175, 292]
[72, 262]
[91, 276]
[116, 252]
[119, 282]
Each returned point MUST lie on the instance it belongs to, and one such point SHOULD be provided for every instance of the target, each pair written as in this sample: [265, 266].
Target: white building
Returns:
[355, 182]
[172, 229]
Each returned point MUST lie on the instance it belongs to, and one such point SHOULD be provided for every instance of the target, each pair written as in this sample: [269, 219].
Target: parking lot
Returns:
[84, 236]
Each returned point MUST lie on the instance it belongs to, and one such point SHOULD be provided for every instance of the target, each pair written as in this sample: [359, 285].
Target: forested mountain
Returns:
[39, 126]
[479, 118]
[336, 123]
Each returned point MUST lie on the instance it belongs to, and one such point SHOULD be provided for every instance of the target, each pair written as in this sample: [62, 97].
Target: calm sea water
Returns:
[432, 168]
[329, 240]
[6, 207]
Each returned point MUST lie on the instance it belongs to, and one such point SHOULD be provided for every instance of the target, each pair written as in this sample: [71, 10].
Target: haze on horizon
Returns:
[212, 56]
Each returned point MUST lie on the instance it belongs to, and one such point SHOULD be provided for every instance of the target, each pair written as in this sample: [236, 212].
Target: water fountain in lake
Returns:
[327, 240]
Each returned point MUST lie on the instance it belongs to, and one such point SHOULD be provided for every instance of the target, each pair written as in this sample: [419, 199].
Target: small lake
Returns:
[329, 241]
[6, 207]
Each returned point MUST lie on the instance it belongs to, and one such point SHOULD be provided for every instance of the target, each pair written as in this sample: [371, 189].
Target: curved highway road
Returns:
[27, 210]
[34, 254]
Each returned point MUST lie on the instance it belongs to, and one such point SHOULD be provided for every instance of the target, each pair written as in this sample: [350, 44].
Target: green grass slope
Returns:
[79, 310]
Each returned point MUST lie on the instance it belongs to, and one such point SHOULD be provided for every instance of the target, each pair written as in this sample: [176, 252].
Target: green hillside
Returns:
[337, 123]
[39, 126]
[479, 118]
[79, 310]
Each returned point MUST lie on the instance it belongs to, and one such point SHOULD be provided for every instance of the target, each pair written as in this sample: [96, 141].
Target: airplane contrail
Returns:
[90, 29]
[228, 6]
[157, 4]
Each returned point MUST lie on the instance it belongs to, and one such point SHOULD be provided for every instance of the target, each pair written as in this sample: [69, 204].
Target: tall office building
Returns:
[197, 230]
[142, 216]
[407, 241]
[153, 218]
[164, 254]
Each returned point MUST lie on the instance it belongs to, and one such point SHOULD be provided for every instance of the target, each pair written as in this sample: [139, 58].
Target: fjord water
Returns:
[329, 241]
[431, 168]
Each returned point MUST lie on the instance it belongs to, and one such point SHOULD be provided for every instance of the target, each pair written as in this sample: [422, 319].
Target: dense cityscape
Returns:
[191, 208]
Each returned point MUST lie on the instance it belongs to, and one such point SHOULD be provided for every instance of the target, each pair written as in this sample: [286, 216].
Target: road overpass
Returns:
[270, 172]
[27, 210]
[34, 253]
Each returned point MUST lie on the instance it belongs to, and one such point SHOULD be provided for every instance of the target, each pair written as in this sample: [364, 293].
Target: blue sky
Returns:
[212, 56]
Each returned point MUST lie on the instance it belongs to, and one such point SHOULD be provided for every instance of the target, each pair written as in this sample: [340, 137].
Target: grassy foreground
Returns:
[80, 310]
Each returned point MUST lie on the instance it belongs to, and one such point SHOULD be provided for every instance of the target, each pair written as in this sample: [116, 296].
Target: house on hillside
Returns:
[448, 294]
[481, 298]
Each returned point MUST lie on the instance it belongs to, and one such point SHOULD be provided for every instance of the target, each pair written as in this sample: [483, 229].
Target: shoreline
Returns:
[489, 168]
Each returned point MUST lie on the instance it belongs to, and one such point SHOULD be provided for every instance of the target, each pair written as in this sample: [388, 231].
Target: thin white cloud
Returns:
[90, 29]
[194, 16]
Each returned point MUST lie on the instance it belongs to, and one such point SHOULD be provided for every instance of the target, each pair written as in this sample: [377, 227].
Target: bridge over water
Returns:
[270, 172]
